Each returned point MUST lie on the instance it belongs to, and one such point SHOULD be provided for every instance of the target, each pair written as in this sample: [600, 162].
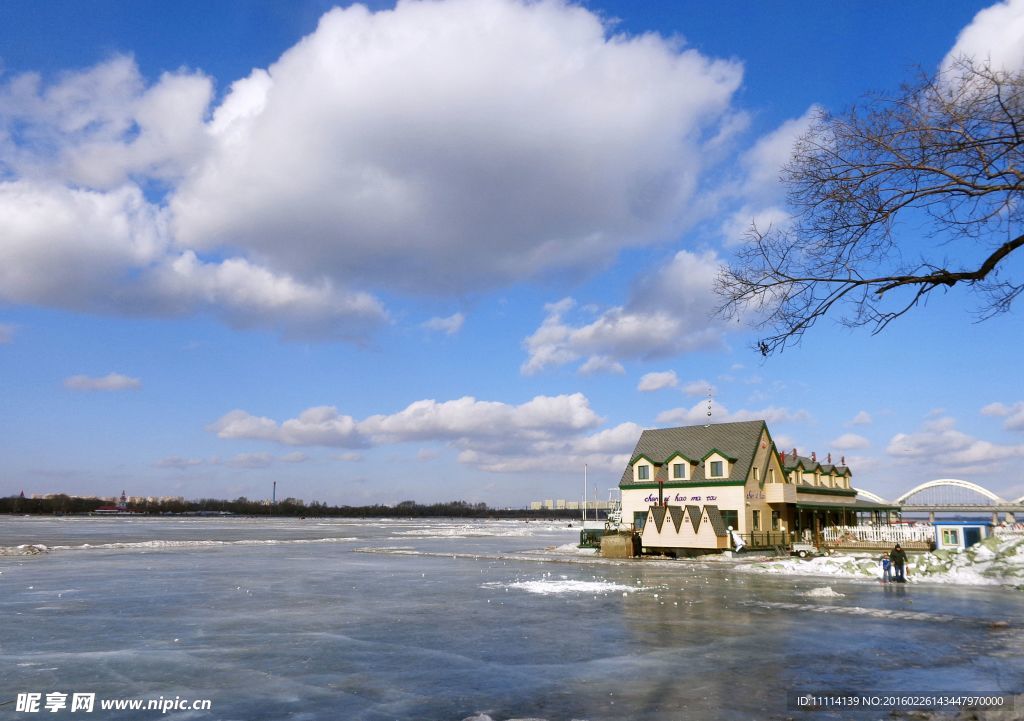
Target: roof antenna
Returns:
[709, 408]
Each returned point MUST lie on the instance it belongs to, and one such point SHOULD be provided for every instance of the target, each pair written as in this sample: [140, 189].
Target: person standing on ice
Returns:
[899, 559]
[886, 569]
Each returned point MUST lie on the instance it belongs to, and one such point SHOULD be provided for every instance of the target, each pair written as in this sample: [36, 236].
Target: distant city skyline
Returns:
[447, 250]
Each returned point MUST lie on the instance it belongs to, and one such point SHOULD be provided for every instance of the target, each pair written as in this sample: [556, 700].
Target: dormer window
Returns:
[643, 472]
[716, 464]
[679, 471]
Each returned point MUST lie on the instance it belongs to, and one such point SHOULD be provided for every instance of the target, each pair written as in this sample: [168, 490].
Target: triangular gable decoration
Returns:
[659, 516]
[677, 516]
[694, 513]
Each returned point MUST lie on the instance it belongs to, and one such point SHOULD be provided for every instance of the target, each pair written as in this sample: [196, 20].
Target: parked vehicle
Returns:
[804, 550]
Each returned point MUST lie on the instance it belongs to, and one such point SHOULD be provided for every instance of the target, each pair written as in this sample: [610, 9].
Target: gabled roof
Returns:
[694, 513]
[659, 516]
[677, 516]
[717, 522]
[733, 440]
[809, 464]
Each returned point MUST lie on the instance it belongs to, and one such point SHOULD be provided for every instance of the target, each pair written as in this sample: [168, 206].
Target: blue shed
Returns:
[960, 534]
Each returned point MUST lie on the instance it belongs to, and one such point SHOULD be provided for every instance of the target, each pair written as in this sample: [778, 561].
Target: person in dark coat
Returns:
[899, 559]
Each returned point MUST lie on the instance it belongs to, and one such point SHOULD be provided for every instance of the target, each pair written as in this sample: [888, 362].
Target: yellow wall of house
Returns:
[754, 496]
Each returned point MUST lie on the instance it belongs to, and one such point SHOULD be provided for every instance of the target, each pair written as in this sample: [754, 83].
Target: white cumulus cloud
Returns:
[449, 325]
[850, 441]
[657, 381]
[601, 364]
[447, 146]
[700, 388]
[940, 443]
[545, 433]
[995, 35]
[863, 418]
[698, 414]
[1013, 413]
[671, 311]
[433, 148]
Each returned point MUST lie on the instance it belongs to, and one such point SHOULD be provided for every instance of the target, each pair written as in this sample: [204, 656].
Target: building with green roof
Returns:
[732, 476]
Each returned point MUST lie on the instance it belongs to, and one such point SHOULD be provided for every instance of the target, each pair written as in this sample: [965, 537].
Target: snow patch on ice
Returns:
[548, 586]
[574, 549]
[26, 549]
[823, 592]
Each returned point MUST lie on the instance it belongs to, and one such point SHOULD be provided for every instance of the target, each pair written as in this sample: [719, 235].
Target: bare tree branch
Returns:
[881, 197]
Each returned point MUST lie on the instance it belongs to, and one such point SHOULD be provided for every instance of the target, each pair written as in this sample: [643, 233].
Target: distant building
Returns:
[565, 504]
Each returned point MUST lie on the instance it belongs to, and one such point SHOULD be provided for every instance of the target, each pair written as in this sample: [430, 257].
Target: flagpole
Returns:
[584, 492]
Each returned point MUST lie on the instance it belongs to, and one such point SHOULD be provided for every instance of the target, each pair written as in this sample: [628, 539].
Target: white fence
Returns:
[1010, 529]
[837, 535]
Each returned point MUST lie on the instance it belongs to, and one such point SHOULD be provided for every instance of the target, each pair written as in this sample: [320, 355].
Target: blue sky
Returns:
[448, 250]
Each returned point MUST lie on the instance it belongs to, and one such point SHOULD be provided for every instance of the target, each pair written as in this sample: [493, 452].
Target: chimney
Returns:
[842, 461]
[814, 456]
[829, 459]
[794, 455]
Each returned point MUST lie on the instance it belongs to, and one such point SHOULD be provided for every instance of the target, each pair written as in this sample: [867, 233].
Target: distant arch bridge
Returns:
[952, 495]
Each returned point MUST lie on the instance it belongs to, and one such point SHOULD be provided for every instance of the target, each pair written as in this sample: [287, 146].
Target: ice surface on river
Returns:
[270, 621]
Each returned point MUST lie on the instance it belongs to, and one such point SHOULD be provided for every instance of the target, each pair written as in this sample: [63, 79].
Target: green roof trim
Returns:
[824, 492]
[640, 456]
[680, 484]
[713, 451]
[858, 506]
[678, 454]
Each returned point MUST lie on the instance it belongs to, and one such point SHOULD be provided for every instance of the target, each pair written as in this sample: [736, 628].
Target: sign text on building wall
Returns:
[680, 498]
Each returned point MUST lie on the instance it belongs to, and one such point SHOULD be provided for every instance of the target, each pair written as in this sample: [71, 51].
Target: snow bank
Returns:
[994, 561]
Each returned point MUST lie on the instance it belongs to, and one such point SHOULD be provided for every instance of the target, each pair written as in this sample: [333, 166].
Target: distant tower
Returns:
[123, 503]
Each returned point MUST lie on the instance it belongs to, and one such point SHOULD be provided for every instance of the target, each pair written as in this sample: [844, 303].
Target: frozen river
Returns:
[447, 620]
